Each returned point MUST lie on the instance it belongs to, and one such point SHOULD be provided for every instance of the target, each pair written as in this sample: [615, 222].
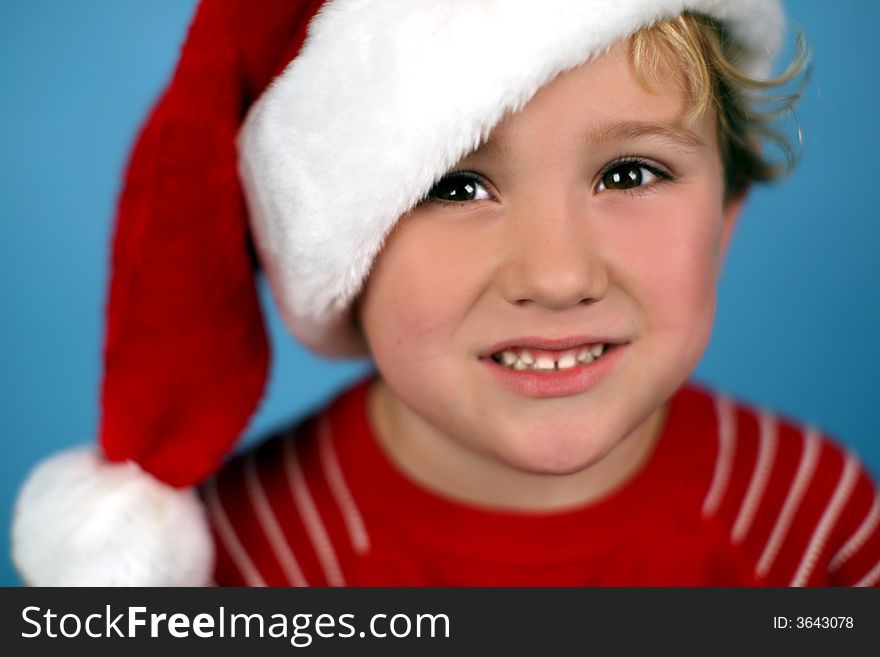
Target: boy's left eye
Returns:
[630, 175]
[458, 187]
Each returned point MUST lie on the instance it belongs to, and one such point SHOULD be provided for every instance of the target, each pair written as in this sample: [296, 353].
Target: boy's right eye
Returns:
[459, 187]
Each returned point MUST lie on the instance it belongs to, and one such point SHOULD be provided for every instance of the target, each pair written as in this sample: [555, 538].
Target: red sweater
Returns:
[731, 496]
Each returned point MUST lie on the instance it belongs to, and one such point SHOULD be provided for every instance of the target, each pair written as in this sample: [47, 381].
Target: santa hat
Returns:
[315, 146]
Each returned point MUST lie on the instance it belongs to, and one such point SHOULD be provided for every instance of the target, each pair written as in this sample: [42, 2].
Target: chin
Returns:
[554, 450]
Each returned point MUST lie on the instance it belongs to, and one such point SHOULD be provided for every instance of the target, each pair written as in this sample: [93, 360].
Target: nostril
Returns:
[541, 301]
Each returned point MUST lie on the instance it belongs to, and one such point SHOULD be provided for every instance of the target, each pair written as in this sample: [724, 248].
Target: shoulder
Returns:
[801, 507]
[274, 508]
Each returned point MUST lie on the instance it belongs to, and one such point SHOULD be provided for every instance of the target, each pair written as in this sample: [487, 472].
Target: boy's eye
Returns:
[630, 175]
[459, 186]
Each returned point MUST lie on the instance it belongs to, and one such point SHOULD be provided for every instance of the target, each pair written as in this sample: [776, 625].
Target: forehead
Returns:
[605, 100]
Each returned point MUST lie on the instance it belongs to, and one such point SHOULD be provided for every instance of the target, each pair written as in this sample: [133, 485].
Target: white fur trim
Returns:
[81, 520]
[385, 96]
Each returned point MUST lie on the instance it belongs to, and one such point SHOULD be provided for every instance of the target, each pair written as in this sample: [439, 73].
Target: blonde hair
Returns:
[702, 53]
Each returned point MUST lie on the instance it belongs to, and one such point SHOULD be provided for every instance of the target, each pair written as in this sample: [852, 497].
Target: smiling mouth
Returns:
[547, 360]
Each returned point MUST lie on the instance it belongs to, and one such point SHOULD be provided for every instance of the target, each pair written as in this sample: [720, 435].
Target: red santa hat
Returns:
[309, 127]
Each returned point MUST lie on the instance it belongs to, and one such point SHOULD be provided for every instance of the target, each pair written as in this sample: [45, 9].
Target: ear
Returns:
[357, 322]
[732, 208]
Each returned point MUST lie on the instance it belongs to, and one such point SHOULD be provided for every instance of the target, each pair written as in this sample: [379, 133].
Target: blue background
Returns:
[798, 307]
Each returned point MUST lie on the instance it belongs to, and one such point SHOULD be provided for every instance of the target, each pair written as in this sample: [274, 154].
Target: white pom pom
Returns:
[81, 520]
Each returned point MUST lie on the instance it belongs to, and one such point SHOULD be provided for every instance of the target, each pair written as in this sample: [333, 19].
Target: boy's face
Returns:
[598, 212]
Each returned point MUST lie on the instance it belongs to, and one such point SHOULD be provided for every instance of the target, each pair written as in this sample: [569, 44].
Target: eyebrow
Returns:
[634, 129]
[618, 131]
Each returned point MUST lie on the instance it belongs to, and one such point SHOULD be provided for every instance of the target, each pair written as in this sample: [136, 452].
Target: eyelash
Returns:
[468, 175]
[663, 175]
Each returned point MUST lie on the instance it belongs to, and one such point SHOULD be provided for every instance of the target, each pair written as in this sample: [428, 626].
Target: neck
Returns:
[450, 468]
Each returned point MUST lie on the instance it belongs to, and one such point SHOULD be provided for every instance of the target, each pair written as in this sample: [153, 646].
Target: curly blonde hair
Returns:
[705, 56]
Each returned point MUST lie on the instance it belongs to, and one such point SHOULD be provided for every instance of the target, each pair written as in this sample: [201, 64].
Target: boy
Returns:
[524, 226]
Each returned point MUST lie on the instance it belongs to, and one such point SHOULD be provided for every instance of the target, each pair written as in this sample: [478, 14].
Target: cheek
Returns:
[671, 266]
[417, 293]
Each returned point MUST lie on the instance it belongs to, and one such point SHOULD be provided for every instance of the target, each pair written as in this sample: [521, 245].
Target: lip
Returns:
[557, 383]
[554, 344]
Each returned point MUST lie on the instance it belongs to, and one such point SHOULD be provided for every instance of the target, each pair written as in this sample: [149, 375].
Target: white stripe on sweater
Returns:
[871, 578]
[270, 526]
[760, 476]
[305, 505]
[806, 467]
[239, 555]
[354, 521]
[857, 540]
[725, 414]
[819, 539]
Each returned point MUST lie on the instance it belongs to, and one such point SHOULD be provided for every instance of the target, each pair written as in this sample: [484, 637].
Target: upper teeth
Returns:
[563, 360]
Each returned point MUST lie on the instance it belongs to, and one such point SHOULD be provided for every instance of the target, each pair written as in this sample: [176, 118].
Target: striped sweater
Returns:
[731, 496]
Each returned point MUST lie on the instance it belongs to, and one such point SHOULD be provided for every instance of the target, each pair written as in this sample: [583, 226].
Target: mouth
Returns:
[546, 360]
[553, 372]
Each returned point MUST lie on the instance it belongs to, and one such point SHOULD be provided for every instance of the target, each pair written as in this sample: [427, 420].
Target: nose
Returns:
[552, 258]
